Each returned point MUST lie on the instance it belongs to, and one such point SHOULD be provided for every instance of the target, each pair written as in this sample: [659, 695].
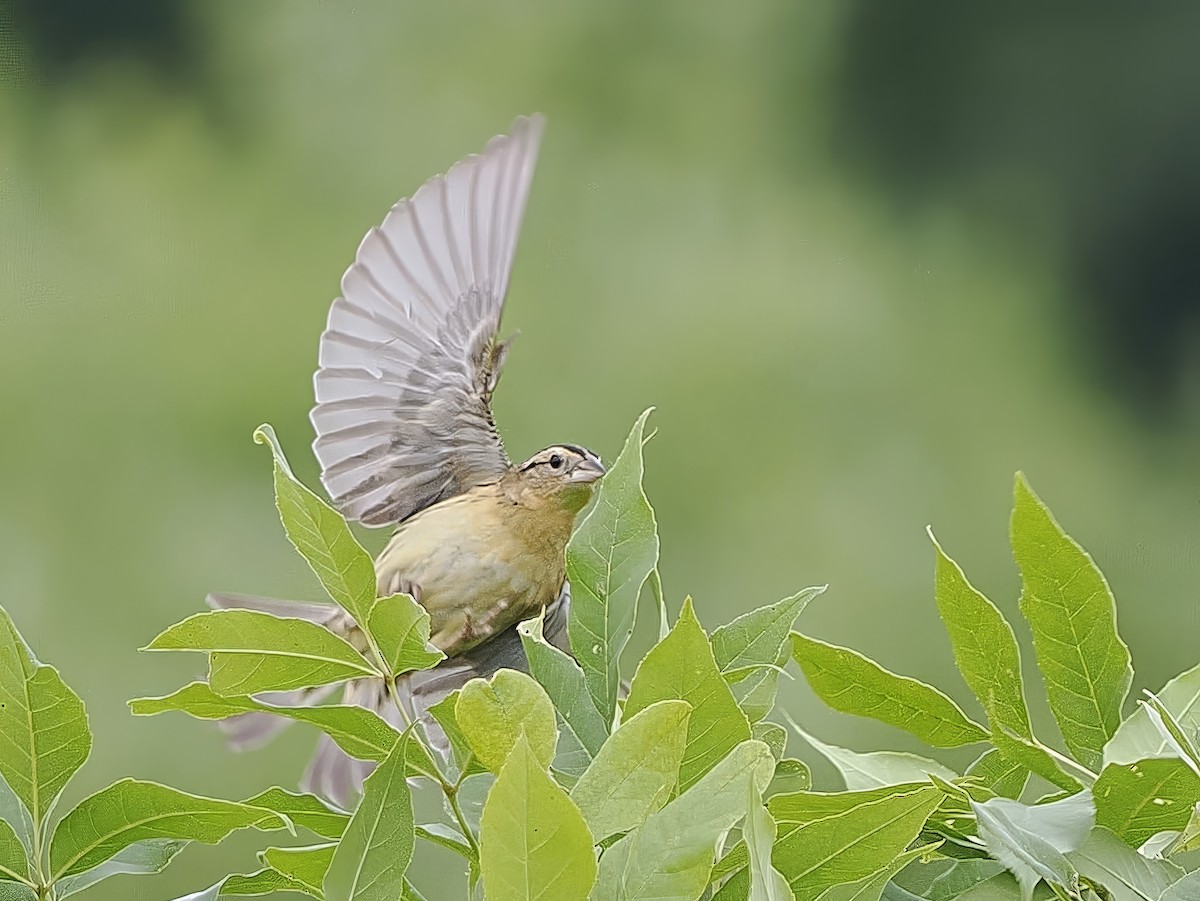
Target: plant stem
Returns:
[450, 790]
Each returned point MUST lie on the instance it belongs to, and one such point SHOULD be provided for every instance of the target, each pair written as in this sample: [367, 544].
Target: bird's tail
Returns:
[332, 773]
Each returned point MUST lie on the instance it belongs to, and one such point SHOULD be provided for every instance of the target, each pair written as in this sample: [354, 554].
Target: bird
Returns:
[406, 438]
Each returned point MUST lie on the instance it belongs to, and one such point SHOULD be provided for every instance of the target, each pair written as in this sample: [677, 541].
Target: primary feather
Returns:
[411, 356]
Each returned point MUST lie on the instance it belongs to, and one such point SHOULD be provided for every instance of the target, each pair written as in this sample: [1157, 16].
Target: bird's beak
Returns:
[589, 470]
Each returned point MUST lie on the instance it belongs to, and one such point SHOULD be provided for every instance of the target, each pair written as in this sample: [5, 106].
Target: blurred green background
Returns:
[868, 260]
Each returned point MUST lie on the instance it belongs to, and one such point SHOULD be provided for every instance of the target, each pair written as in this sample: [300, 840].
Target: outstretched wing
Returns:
[410, 357]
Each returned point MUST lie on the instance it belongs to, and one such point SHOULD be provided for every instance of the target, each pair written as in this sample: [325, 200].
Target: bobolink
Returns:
[406, 438]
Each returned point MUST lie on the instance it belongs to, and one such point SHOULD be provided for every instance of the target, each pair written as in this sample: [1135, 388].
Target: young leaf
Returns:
[635, 772]
[1138, 800]
[253, 652]
[139, 859]
[876, 769]
[609, 559]
[130, 811]
[1032, 841]
[670, 856]
[1137, 738]
[564, 682]
[851, 683]
[756, 639]
[493, 715]
[984, 646]
[308, 811]
[377, 846]
[1072, 613]
[681, 667]
[766, 883]
[999, 774]
[1127, 875]
[535, 842]
[827, 840]
[14, 861]
[400, 627]
[322, 537]
[303, 868]
[359, 732]
[44, 736]
[871, 886]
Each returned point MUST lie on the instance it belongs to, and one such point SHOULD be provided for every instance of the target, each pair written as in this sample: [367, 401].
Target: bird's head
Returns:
[564, 472]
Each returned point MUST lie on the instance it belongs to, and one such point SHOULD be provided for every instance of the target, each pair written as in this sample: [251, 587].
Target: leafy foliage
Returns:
[555, 788]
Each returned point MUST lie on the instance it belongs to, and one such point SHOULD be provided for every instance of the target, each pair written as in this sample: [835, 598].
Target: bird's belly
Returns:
[474, 582]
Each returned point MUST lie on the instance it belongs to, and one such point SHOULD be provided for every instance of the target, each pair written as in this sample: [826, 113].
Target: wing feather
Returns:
[410, 356]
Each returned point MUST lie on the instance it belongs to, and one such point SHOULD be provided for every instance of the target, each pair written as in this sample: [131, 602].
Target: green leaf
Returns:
[827, 840]
[1137, 738]
[1137, 800]
[1127, 875]
[494, 714]
[536, 844]
[870, 887]
[1173, 733]
[16, 891]
[1033, 756]
[1072, 613]
[766, 883]
[322, 537]
[564, 682]
[1032, 842]
[876, 769]
[1186, 889]
[253, 652]
[681, 667]
[13, 812]
[44, 736]
[984, 646]
[444, 713]
[139, 859]
[14, 861]
[791, 775]
[447, 837]
[609, 559]
[961, 876]
[130, 811]
[308, 811]
[264, 882]
[304, 867]
[635, 772]
[773, 735]
[377, 846]
[999, 774]
[670, 856]
[400, 627]
[359, 732]
[756, 639]
[851, 683]
[755, 694]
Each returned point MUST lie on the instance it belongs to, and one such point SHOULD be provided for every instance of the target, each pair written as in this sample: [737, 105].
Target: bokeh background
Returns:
[867, 259]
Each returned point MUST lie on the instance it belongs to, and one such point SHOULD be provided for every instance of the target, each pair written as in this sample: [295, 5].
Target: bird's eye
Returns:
[556, 462]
